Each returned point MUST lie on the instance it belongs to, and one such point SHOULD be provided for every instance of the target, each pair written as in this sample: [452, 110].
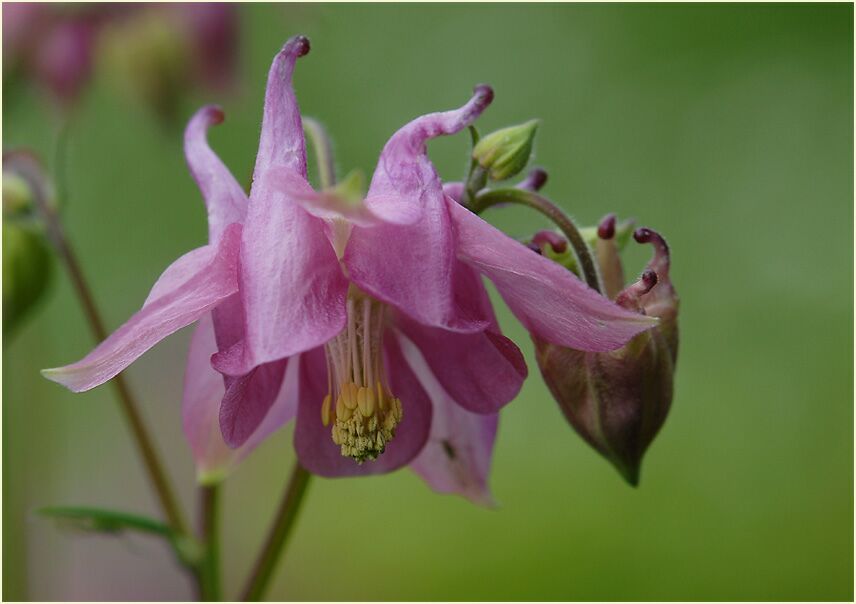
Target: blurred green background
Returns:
[727, 127]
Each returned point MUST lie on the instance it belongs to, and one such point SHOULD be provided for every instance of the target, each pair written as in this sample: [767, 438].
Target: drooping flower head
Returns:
[618, 401]
[382, 299]
[373, 302]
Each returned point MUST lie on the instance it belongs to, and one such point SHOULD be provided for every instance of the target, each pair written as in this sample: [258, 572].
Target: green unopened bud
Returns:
[26, 271]
[17, 196]
[506, 152]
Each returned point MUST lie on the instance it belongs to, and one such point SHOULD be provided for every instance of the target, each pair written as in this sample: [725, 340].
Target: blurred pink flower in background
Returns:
[157, 52]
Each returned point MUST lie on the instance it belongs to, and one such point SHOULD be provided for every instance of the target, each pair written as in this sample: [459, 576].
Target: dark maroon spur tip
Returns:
[534, 247]
[661, 260]
[555, 241]
[297, 44]
[648, 280]
[606, 228]
[534, 181]
[630, 295]
[484, 93]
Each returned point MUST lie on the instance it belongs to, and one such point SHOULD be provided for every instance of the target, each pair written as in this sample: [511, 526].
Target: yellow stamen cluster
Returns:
[365, 420]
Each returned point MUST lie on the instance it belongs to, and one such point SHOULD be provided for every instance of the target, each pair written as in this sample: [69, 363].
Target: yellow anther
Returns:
[370, 401]
[325, 410]
[354, 391]
[361, 402]
[348, 397]
[336, 436]
[342, 411]
[381, 403]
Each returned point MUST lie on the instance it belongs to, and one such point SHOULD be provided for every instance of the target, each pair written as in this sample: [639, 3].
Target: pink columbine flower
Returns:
[375, 307]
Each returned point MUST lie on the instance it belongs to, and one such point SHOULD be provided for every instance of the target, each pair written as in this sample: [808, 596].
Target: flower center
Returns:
[365, 414]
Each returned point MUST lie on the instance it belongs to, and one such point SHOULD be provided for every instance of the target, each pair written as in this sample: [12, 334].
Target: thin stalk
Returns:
[278, 535]
[553, 212]
[323, 151]
[209, 534]
[127, 403]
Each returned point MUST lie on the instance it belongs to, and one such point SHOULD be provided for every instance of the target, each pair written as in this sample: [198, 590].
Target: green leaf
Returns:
[107, 521]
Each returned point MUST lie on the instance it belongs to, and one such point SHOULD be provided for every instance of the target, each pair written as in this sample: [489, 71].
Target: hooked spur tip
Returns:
[214, 114]
[648, 280]
[537, 178]
[483, 93]
[297, 44]
[551, 238]
[643, 235]
[606, 228]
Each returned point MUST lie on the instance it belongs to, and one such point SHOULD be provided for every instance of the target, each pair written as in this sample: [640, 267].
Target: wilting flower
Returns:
[378, 302]
[618, 401]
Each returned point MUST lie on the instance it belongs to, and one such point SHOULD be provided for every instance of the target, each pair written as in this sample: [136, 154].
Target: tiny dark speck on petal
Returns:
[449, 449]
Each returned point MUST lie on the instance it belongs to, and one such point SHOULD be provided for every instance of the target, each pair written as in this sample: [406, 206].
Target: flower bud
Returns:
[26, 257]
[506, 152]
[618, 401]
[26, 271]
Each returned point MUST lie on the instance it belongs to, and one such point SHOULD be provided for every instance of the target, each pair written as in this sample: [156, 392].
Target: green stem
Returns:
[127, 403]
[323, 151]
[546, 207]
[278, 535]
[209, 571]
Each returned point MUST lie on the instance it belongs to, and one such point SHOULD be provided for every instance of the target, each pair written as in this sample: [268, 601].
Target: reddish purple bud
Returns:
[618, 401]
[534, 181]
[551, 238]
[606, 228]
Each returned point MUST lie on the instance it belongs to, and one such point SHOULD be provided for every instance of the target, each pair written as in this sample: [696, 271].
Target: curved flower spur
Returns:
[401, 358]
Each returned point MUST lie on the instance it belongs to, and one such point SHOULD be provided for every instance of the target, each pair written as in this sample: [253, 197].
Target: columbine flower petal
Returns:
[292, 288]
[409, 267]
[546, 298]
[328, 205]
[203, 391]
[224, 198]
[457, 456]
[281, 142]
[185, 301]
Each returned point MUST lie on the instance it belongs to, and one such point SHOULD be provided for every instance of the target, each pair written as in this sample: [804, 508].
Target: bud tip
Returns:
[606, 228]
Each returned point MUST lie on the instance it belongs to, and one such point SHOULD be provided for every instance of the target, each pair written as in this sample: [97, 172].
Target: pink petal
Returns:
[481, 371]
[203, 391]
[292, 287]
[188, 300]
[248, 399]
[454, 190]
[457, 456]
[547, 298]
[281, 142]
[314, 445]
[328, 205]
[410, 266]
[224, 197]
